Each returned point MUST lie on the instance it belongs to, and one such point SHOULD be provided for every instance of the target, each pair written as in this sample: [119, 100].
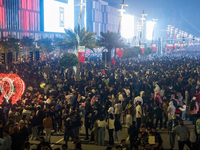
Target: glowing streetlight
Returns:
[142, 24]
[122, 10]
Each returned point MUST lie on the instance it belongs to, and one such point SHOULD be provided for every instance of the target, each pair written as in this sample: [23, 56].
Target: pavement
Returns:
[57, 139]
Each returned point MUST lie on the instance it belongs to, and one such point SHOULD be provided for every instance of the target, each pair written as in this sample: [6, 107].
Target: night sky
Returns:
[183, 14]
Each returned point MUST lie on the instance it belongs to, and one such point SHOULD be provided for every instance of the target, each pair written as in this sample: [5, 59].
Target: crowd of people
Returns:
[143, 95]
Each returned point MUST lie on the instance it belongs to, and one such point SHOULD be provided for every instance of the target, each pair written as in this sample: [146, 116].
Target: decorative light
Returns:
[11, 87]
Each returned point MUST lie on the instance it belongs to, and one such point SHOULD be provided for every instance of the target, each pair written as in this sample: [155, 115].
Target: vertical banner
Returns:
[120, 52]
[142, 48]
[81, 56]
[153, 46]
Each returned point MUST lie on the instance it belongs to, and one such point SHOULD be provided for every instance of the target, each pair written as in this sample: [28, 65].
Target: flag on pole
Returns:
[114, 61]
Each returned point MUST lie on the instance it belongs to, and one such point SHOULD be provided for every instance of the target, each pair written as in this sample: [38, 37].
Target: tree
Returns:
[109, 41]
[27, 43]
[68, 60]
[72, 41]
[46, 45]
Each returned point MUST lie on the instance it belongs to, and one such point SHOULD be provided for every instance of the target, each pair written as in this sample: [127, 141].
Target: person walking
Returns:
[172, 123]
[47, 123]
[183, 133]
[159, 115]
[138, 114]
[111, 127]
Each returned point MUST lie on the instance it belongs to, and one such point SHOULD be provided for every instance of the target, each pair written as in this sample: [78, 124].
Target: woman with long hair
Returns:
[194, 108]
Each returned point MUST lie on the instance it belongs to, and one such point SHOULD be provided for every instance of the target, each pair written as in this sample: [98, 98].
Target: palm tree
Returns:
[27, 44]
[71, 41]
[74, 39]
[109, 41]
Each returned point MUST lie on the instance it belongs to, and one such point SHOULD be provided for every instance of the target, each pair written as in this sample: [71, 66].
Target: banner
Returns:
[153, 46]
[142, 48]
[114, 61]
[81, 56]
[120, 52]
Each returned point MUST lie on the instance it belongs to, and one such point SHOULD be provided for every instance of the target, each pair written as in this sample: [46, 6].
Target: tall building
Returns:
[101, 17]
[49, 18]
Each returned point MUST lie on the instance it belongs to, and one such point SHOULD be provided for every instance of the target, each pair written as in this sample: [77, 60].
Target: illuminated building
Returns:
[48, 18]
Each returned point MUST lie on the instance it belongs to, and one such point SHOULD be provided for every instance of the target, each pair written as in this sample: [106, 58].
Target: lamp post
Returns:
[81, 4]
[142, 23]
[122, 10]
[138, 28]
[154, 25]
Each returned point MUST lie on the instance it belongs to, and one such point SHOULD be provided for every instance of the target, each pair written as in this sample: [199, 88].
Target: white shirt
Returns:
[121, 98]
[111, 110]
[117, 108]
[127, 92]
[138, 109]
[111, 123]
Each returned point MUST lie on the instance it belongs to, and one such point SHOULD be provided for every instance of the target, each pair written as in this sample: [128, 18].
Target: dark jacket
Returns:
[69, 124]
[16, 141]
[133, 132]
[24, 134]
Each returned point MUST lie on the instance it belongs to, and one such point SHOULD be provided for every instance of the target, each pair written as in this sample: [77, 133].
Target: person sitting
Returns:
[151, 141]
[139, 142]
[123, 144]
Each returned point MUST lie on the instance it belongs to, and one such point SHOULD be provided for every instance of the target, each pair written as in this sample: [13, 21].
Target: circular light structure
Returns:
[11, 87]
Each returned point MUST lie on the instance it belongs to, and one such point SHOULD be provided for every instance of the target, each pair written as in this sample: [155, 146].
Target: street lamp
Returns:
[142, 23]
[122, 10]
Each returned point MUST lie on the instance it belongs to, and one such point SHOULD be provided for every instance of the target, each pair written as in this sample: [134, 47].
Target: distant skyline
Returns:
[182, 14]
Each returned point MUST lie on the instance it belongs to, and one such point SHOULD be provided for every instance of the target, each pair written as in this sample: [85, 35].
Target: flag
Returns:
[81, 56]
[120, 52]
[103, 72]
[142, 48]
[114, 61]
[153, 46]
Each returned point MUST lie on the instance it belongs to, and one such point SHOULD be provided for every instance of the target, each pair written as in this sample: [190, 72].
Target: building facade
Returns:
[28, 17]
[101, 17]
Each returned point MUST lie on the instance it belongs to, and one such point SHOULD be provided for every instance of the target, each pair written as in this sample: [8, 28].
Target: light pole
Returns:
[122, 10]
[171, 33]
[142, 23]
[81, 4]
[138, 28]
[154, 25]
